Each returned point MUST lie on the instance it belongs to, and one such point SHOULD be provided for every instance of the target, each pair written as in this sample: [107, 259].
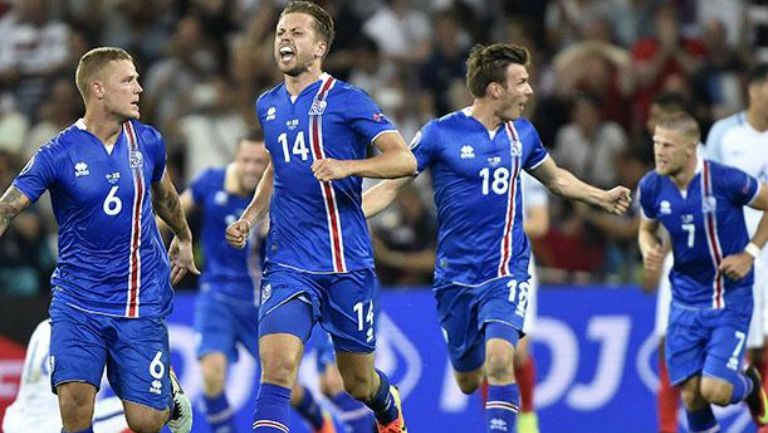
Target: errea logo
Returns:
[271, 112]
[81, 169]
[467, 152]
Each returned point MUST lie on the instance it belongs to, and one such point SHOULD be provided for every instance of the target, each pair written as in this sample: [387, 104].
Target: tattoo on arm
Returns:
[166, 203]
[11, 204]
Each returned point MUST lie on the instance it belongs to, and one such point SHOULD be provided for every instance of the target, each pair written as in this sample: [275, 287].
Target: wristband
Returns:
[752, 249]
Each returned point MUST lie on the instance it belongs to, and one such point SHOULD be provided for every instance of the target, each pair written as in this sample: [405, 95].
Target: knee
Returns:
[469, 382]
[214, 375]
[330, 382]
[716, 392]
[499, 367]
[279, 370]
[692, 398]
[148, 422]
[75, 407]
[358, 384]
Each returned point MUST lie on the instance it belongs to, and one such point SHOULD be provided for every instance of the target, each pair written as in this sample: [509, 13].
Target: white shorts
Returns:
[531, 311]
[663, 297]
[758, 327]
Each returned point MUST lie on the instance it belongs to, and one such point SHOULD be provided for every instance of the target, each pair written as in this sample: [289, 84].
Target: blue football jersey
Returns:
[111, 257]
[476, 182]
[229, 271]
[705, 224]
[318, 226]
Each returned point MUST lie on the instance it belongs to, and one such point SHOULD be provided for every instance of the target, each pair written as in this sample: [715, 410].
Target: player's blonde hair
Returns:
[92, 63]
[684, 123]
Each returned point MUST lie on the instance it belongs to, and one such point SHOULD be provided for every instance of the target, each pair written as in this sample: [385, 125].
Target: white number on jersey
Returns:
[112, 204]
[500, 182]
[299, 147]
[691, 229]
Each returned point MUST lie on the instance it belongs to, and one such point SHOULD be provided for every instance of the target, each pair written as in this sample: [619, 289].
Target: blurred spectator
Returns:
[61, 109]
[446, 64]
[212, 132]
[717, 85]
[401, 31]
[13, 125]
[140, 26]
[566, 21]
[404, 239]
[667, 57]
[731, 13]
[33, 48]
[171, 81]
[369, 69]
[589, 146]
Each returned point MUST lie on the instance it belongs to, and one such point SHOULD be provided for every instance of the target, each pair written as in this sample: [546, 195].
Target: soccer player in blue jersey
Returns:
[701, 204]
[319, 262]
[227, 309]
[112, 284]
[481, 270]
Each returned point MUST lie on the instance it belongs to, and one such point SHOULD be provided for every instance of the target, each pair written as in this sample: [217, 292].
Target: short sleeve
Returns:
[538, 153]
[712, 150]
[365, 117]
[738, 186]
[645, 198]
[424, 146]
[155, 144]
[38, 175]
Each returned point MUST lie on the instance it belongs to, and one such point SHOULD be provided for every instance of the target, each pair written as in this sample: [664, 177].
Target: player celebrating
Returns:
[700, 203]
[481, 271]
[319, 264]
[112, 283]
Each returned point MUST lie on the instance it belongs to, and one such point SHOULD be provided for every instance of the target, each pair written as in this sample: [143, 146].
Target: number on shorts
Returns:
[733, 363]
[361, 321]
[156, 367]
[518, 295]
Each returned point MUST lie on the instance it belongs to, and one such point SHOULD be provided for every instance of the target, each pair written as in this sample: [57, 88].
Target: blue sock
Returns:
[354, 413]
[310, 410]
[87, 430]
[742, 387]
[702, 420]
[383, 403]
[502, 407]
[218, 414]
[272, 409]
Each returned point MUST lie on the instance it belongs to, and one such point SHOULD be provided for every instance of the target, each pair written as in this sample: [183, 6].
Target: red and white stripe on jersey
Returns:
[134, 256]
[509, 220]
[713, 242]
[329, 195]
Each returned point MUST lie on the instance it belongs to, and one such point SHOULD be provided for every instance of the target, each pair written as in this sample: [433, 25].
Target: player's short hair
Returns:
[758, 74]
[488, 64]
[682, 122]
[323, 21]
[254, 134]
[93, 62]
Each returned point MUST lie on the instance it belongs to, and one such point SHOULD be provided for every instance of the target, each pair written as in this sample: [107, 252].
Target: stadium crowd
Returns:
[597, 67]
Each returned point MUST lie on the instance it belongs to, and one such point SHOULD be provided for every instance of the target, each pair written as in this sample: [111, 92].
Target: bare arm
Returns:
[12, 203]
[257, 210]
[564, 183]
[187, 205]
[395, 160]
[380, 196]
[166, 203]
[650, 245]
[736, 266]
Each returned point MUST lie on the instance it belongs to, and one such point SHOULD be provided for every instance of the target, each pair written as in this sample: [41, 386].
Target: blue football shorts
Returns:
[221, 322]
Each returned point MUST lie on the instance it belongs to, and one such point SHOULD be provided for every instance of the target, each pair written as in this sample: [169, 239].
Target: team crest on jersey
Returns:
[317, 108]
[81, 169]
[709, 204]
[266, 292]
[665, 208]
[136, 159]
[467, 152]
[517, 148]
[271, 112]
